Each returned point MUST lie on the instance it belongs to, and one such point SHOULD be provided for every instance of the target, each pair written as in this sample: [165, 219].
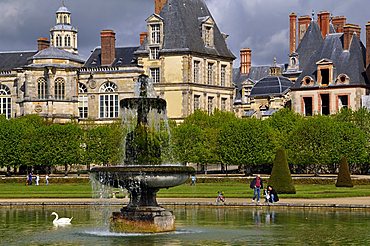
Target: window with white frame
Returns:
[210, 73]
[210, 105]
[223, 75]
[154, 53]
[155, 30]
[58, 41]
[196, 102]
[67, 40]
[208, 36]
[223, 104]
[83, 101]
[155, 75]
[5, 101]
[196, 69]
[41, 88]
[108, 101]
[59, 89]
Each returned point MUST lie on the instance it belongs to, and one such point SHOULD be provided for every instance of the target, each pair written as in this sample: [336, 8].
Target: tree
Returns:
[344, 176]
[281, 178]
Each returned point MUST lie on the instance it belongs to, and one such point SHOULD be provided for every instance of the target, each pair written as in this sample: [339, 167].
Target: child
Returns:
[220, 197]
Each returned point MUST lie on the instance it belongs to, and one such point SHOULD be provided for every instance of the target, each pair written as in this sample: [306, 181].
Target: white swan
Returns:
[61, 221]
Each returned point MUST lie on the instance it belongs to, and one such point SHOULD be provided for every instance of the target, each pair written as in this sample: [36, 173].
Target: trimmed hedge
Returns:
[344, 177]
[52, 180]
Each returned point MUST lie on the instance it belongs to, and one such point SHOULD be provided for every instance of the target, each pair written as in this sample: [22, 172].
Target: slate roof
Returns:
[271, 86]
[350, 62]
[63, 9]
[10, 60]
[55, 53]
[182, 29]
[63, 27]
[124, 57]
[309, 44]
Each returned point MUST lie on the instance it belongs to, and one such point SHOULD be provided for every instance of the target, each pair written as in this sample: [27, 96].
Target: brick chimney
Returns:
[245, 60]
[143, 36]
[159, 4]
[108, 47]
[323, 19]
[42, 43]
[303, 24]
[293, 32]
[338, 23]
[348, 31]
[367, 44]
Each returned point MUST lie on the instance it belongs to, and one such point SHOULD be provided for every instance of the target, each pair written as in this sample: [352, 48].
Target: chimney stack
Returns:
[293, 32]
[348, 31]
[303, 24]
[42, 43]
[323, 19]
[159, 4]
[108, 47]
[143, 36]
[367, 44]
[245, 60]
[338, 23]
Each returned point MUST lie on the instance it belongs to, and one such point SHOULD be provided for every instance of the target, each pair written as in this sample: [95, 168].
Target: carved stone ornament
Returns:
[38, 108]
[92, 84]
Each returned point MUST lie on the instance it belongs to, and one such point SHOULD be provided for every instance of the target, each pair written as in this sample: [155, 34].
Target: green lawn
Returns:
[206, 190]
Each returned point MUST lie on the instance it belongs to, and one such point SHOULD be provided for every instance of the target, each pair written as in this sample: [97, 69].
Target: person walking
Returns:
[37, 179]
[47, 179]
[256, 185]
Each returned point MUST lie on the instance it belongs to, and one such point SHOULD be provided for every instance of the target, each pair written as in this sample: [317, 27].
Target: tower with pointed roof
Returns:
[63, 35]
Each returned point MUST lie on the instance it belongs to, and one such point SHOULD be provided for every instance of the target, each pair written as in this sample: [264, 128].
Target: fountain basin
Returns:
[142, 214]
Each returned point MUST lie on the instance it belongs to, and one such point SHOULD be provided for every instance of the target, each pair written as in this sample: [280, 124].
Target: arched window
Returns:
[65, 20]
[108, 101]
[5, 101]
[58, 41]
[59, 89]
[67, 41]
[41, 88]
[82, 101]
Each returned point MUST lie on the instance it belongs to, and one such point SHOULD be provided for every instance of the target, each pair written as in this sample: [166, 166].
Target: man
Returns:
[256, 185]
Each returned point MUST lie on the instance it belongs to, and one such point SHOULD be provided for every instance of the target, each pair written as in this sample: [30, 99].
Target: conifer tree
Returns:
[281, 178]
[344, 176]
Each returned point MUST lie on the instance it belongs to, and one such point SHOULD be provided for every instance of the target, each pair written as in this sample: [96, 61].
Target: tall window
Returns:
[196, 102]
[5, 101]
[210, 74]
[154, 53]
[197, 72]
[58, 41]
[308, 106]
[223, 104]
[223, 75]
[210, 105]
[82, 101]
[67, 40]
[156, 33]
[155, 75]
[343, 101]
[108, 103]
[208, 36]
[41, 88]
[59, 89]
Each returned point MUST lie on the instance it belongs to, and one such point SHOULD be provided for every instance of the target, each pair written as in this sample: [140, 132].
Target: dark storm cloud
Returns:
[262, 25]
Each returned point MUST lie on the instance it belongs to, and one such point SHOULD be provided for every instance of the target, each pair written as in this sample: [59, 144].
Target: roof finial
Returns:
[313, 15]
[275, 63]
[63, 3]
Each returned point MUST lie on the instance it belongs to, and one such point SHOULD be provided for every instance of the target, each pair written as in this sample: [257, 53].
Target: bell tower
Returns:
[63, 35]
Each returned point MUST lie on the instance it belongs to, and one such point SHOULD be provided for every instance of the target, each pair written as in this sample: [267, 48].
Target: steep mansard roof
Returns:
[314, 48]
[10, 60]
[124, 56]
[182, 29]
[56, 53]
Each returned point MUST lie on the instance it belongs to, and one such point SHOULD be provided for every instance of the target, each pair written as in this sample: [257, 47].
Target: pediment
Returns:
[206, 20]
[154, 18]
[324, 61]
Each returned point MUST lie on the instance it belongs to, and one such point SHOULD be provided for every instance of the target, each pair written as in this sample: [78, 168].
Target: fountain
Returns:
[145, 170]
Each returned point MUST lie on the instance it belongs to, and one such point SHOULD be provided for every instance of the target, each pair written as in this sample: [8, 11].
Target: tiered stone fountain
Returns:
[144, 172]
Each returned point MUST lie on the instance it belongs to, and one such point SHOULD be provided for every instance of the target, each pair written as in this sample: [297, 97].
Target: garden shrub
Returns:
[281, 178]
[344, 177]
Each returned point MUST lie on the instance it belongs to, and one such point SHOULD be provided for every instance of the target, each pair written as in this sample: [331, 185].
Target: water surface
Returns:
[195, 226]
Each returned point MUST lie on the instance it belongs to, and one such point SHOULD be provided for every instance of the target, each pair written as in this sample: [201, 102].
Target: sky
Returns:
[262, 25]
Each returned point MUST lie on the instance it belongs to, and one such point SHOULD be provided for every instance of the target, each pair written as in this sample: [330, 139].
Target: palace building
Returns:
[182, 51]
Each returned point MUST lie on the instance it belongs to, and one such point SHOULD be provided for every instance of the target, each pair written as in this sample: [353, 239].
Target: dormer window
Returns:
[155, 30]
[342, 79]
[325, 72]
[207, 25]
[307, 81]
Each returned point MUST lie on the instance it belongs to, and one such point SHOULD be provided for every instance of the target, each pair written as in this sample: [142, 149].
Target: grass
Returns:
[201, 190]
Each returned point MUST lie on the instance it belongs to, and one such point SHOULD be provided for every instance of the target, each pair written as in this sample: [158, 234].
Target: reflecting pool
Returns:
[195, 226]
